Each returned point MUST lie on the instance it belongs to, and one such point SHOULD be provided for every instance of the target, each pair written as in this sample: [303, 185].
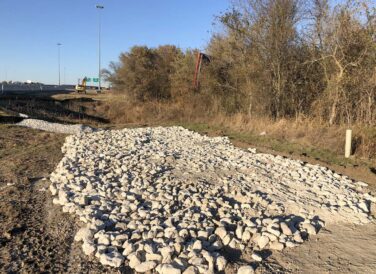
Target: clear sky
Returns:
[30, 30]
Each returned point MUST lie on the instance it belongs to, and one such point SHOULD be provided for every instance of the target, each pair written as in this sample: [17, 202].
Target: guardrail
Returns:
[6, 89]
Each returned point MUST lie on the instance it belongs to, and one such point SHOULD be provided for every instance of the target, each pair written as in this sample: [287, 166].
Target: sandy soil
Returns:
[339, 249]
[36, 237]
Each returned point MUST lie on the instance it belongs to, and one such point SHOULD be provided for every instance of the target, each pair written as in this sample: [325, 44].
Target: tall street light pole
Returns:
[99, 7]
[58, 59]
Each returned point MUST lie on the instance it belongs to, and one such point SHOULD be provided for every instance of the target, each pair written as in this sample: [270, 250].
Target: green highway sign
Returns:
[88, 79]
[95, 80]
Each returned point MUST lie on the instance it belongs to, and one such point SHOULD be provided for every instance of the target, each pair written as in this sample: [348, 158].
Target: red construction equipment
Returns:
[201, 57]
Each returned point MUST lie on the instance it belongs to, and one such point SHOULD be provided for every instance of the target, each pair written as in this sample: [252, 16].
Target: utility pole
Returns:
[99, 7]
[58, 59]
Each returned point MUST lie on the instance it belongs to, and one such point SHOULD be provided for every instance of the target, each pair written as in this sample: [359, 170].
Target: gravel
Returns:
[170, 199]
[55, 127]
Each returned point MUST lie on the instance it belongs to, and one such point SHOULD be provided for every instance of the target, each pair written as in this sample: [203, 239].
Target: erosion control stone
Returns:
[54, 127]
[246, 269]
[169, 200]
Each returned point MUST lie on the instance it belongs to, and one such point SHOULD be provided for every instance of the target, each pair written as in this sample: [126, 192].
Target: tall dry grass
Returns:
[202, 109]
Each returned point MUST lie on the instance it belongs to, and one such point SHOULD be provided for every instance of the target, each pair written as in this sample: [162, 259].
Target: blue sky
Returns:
[30, 30]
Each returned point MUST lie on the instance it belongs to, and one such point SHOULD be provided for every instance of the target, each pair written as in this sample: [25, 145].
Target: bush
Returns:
[274, 58]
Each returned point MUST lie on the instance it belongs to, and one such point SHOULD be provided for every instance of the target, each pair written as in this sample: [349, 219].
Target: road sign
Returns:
[95, 80]
[88, 79]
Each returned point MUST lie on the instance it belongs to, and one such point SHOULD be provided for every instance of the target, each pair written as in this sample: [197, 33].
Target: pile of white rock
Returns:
[55, 127]
[173, 201]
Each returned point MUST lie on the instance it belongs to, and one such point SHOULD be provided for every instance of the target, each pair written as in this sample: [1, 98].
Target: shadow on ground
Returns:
[45, 107]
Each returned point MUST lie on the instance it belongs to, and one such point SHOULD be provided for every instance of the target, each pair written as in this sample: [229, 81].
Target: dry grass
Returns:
[307, 132]
[309, 135]
[200, 112]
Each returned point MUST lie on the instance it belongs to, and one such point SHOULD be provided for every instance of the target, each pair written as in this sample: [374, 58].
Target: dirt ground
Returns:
[37, 237]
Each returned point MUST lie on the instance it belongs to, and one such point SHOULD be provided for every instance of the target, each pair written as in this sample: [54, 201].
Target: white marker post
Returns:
[348, 143]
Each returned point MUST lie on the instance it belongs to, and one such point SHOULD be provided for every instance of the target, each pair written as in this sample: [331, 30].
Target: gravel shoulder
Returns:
[36, 236]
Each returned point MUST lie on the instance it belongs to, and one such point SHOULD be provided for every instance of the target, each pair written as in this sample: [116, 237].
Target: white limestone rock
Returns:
[83, 234]
[263, 242]
[114, 259]
[221, 263]
[257, 257]
[276, 246]
[246, 269]
[145, 266]
[221, 232]
[133, 260]
[169, 195]
[88, 248]
[167, 269]
[310, 228]
[285, 229]
[190, 270]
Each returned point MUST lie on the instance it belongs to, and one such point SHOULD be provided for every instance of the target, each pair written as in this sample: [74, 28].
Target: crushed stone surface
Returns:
[55, 127]
[173, 201]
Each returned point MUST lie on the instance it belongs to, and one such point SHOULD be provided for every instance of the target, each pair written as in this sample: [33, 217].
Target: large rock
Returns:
[257, 257]
[246, 269]
[145, 266]
[221, 232]
[191, 270]
[285, 229]
[263, 242]
[114, 259]
[276, 246]
[83, 234]
[221, 263]
[133, 260]
[167, 269]
[88, 248]
[310, 228]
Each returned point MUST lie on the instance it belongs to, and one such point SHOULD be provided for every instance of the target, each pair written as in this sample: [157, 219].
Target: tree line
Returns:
[274, 58]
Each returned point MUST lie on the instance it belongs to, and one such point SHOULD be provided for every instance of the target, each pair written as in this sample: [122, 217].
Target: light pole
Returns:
[64, 77]
[99, 7]
[58, 59]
